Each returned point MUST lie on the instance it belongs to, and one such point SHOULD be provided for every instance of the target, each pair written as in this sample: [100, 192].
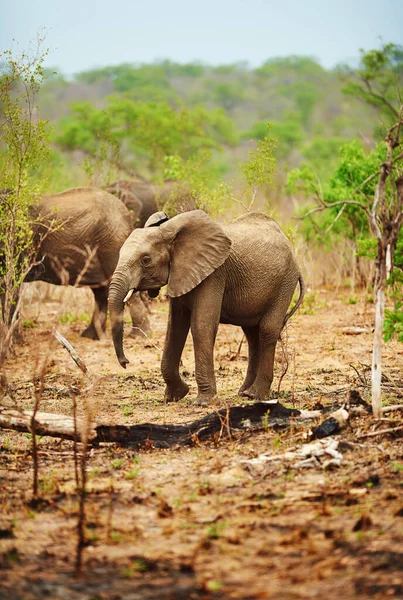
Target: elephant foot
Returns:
[205, 399]
[173, 394]
[139, 332]
[254, 393]
[91, 333]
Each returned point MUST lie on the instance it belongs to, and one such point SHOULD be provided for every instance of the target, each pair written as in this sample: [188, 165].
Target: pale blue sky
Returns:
[83, 34]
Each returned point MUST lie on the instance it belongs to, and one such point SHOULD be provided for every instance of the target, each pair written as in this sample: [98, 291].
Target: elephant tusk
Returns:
[128, 296]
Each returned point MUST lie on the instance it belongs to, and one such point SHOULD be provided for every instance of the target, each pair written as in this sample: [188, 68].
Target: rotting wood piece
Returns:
[221, 423]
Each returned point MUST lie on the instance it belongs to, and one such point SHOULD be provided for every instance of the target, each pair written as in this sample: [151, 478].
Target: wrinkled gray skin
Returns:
[143, 198]
[83, 220]
[139, 199]
[243, 273]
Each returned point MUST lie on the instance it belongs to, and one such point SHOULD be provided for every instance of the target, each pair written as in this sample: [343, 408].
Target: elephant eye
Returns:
[145, 260]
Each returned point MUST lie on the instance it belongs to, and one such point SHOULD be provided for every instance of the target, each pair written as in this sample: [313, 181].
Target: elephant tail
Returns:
[302, 289]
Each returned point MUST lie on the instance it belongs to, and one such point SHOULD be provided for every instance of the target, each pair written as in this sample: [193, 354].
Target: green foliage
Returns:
[321, 154]
[377, 80]
[215, 198]
[198, 176]
[301, 66]
[305, 95]
[150, 131]
[354, 167]
[226, 93]
[394, 323]
[25, 153]
[140, 82]
[74, 318]
[260, 167]
[288, 133]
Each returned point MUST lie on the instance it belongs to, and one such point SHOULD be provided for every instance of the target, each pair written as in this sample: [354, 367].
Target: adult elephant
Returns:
[139, 199]
[243, 273]
[143, 198]
[78, 234]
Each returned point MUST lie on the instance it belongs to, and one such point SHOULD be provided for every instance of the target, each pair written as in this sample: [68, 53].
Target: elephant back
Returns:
[251, 222]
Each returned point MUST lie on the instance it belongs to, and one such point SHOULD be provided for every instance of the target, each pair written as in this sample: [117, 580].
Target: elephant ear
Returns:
[156, 219]
[198, 247]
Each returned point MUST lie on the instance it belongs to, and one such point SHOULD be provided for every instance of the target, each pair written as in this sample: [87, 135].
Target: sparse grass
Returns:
[127, 410]
[132, 474]
[215, 530]
[28, 324]
[71, 317]
[48, 483]
[117, 463]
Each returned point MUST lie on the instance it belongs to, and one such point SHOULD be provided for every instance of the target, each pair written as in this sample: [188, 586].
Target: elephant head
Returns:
[180, 253]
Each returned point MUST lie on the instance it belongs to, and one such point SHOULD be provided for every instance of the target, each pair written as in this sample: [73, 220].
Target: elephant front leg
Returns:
[96, 328]
[177, 332]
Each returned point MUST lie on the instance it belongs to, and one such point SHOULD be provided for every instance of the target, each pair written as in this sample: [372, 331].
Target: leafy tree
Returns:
[25, 151]
[284, 66]
[367, 190]
[377, 80]
[226, 93]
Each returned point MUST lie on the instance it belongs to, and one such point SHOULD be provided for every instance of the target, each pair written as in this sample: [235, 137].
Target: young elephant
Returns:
[243, 273]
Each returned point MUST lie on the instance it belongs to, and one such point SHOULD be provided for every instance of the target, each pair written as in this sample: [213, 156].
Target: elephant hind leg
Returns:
[252, 336]
[96, 329]
[269, 333]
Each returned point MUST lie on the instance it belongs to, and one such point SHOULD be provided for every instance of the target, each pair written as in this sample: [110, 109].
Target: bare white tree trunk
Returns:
[377, 353]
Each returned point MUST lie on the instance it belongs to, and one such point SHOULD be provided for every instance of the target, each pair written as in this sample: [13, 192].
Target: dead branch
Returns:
[380, 432]
[53, 425]
[79, 362]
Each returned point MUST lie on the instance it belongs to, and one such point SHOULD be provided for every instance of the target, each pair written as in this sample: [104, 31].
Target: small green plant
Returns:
[397, 466]
[116, 536]
[28, 324]
[265, 421]
[116, 463]
[49, 482]
[213, 586]
[138, 566]
[309, 305]
[290, 475]
[215, 530]
[205, 487]
[132, 474]
[127, 410]
[74, 318]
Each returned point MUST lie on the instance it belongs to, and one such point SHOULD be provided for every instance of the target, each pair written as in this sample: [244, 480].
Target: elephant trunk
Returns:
[118, 290]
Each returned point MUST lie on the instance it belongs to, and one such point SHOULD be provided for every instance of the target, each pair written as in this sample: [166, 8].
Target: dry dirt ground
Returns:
[203, 521]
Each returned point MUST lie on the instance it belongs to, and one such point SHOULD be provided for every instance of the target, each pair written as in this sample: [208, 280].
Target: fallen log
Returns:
[221, 423]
